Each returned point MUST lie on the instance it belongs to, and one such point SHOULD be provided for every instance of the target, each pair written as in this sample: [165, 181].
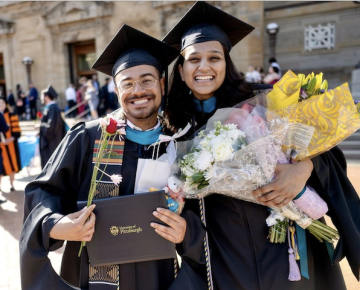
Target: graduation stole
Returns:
[111, 163]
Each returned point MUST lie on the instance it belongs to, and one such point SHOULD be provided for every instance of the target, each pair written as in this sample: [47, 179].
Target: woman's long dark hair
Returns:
[180, 106]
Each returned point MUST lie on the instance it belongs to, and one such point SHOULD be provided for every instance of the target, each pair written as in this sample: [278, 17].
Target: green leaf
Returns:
[311, 87]
[197, 176]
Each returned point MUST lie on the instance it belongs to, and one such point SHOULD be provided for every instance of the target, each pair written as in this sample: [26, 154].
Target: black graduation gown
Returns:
[242, 258]
[52, 130]
[64, 180]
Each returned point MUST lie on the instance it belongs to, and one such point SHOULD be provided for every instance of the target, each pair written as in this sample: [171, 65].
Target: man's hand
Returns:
[75, 227]
[289, 182]
[175, 231]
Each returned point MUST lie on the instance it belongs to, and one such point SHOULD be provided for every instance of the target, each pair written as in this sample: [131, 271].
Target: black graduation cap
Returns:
[50, 91]
[131, 47]
[204, 22]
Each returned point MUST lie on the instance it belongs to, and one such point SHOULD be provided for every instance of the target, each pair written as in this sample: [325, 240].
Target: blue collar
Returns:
[143, 137]
[207, 106]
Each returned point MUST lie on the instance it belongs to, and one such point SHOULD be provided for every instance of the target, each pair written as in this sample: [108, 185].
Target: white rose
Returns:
[222, 150]
[203, 161]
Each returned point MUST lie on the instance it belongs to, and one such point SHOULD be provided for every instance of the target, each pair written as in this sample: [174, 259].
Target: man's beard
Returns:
[145, 112]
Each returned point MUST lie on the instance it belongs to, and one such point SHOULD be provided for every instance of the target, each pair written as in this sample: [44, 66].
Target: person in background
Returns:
[52, 126]
[261, 72]
[274, 63]
[273, 76]
[70, 95]
[95, 83]
[20, 102]
[91, 94]
[252, 75]
[11, 101]
[3, 129]
[10, 148]
[113, 103]
[80, 94]
[32, 98]
[104, 98]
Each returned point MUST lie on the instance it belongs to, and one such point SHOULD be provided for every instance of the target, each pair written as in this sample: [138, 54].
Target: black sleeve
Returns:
[48, 198]
[192, 274]
[3, 126]
[329, 179]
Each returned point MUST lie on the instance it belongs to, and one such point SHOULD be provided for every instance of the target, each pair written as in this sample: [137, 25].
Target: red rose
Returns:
[111, 127]
[39, 115]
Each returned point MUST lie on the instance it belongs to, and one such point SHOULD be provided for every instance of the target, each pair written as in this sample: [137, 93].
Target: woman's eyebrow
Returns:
[209, 51]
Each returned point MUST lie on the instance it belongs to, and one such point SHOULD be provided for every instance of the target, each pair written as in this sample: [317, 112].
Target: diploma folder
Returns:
[123, 233]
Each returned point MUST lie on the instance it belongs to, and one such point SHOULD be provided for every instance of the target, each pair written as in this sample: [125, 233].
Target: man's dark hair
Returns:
[180, 107]
[50, 96]
[276, 69]
[272, 59]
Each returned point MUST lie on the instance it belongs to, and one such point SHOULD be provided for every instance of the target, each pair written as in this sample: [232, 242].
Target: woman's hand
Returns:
[289, 181]
[175, 231]
[75, 226]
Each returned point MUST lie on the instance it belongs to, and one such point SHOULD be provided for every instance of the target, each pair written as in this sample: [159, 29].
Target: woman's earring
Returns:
[190, 92]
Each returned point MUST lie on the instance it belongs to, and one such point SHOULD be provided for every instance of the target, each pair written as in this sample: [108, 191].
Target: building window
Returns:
[320, 37]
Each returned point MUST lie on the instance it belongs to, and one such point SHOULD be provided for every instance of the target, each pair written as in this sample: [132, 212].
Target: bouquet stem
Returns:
[104, 143]
[323, 232]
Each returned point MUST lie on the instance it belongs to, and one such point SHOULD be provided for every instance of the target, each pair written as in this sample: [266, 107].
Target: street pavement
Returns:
[11, 215]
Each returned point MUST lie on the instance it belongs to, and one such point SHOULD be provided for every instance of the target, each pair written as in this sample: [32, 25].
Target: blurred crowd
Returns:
[89, 99]
[255, 74]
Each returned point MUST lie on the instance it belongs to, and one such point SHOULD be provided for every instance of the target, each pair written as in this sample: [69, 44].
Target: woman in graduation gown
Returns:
[241, 257]
[10, 150]
[51, 199]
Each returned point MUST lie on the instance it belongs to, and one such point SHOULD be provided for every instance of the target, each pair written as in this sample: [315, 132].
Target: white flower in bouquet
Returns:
[210, 173]
[222, 149]
[204, 160]
[214, 146]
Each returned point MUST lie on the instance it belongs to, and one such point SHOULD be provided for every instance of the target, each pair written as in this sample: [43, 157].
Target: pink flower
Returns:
[121, 131]
[116, 178]
[120, 122]
[103, 122]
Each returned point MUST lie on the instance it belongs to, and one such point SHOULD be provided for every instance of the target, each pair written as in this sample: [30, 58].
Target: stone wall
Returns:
[337, 63]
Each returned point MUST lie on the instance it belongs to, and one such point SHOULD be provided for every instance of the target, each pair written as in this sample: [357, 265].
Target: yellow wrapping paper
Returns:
[285, 92]
[333, 115]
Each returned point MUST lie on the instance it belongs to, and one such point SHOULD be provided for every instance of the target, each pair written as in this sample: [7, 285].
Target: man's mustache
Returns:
[133, 98]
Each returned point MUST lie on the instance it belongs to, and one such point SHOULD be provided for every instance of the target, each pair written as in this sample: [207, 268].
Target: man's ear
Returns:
[180, 68]
[162, 86]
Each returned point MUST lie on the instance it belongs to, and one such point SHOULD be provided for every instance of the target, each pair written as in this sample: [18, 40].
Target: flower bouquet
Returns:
[323, 117]
[110, 129]
[236, 154]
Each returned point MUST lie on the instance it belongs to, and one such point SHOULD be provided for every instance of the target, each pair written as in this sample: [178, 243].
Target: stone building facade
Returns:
[334, 37]
[65, 37]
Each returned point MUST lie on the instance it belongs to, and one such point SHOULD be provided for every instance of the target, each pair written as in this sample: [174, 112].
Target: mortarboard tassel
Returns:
[294, 271]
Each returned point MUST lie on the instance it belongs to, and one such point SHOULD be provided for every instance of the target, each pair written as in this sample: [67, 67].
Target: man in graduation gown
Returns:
[51, 214]
[52, 126]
